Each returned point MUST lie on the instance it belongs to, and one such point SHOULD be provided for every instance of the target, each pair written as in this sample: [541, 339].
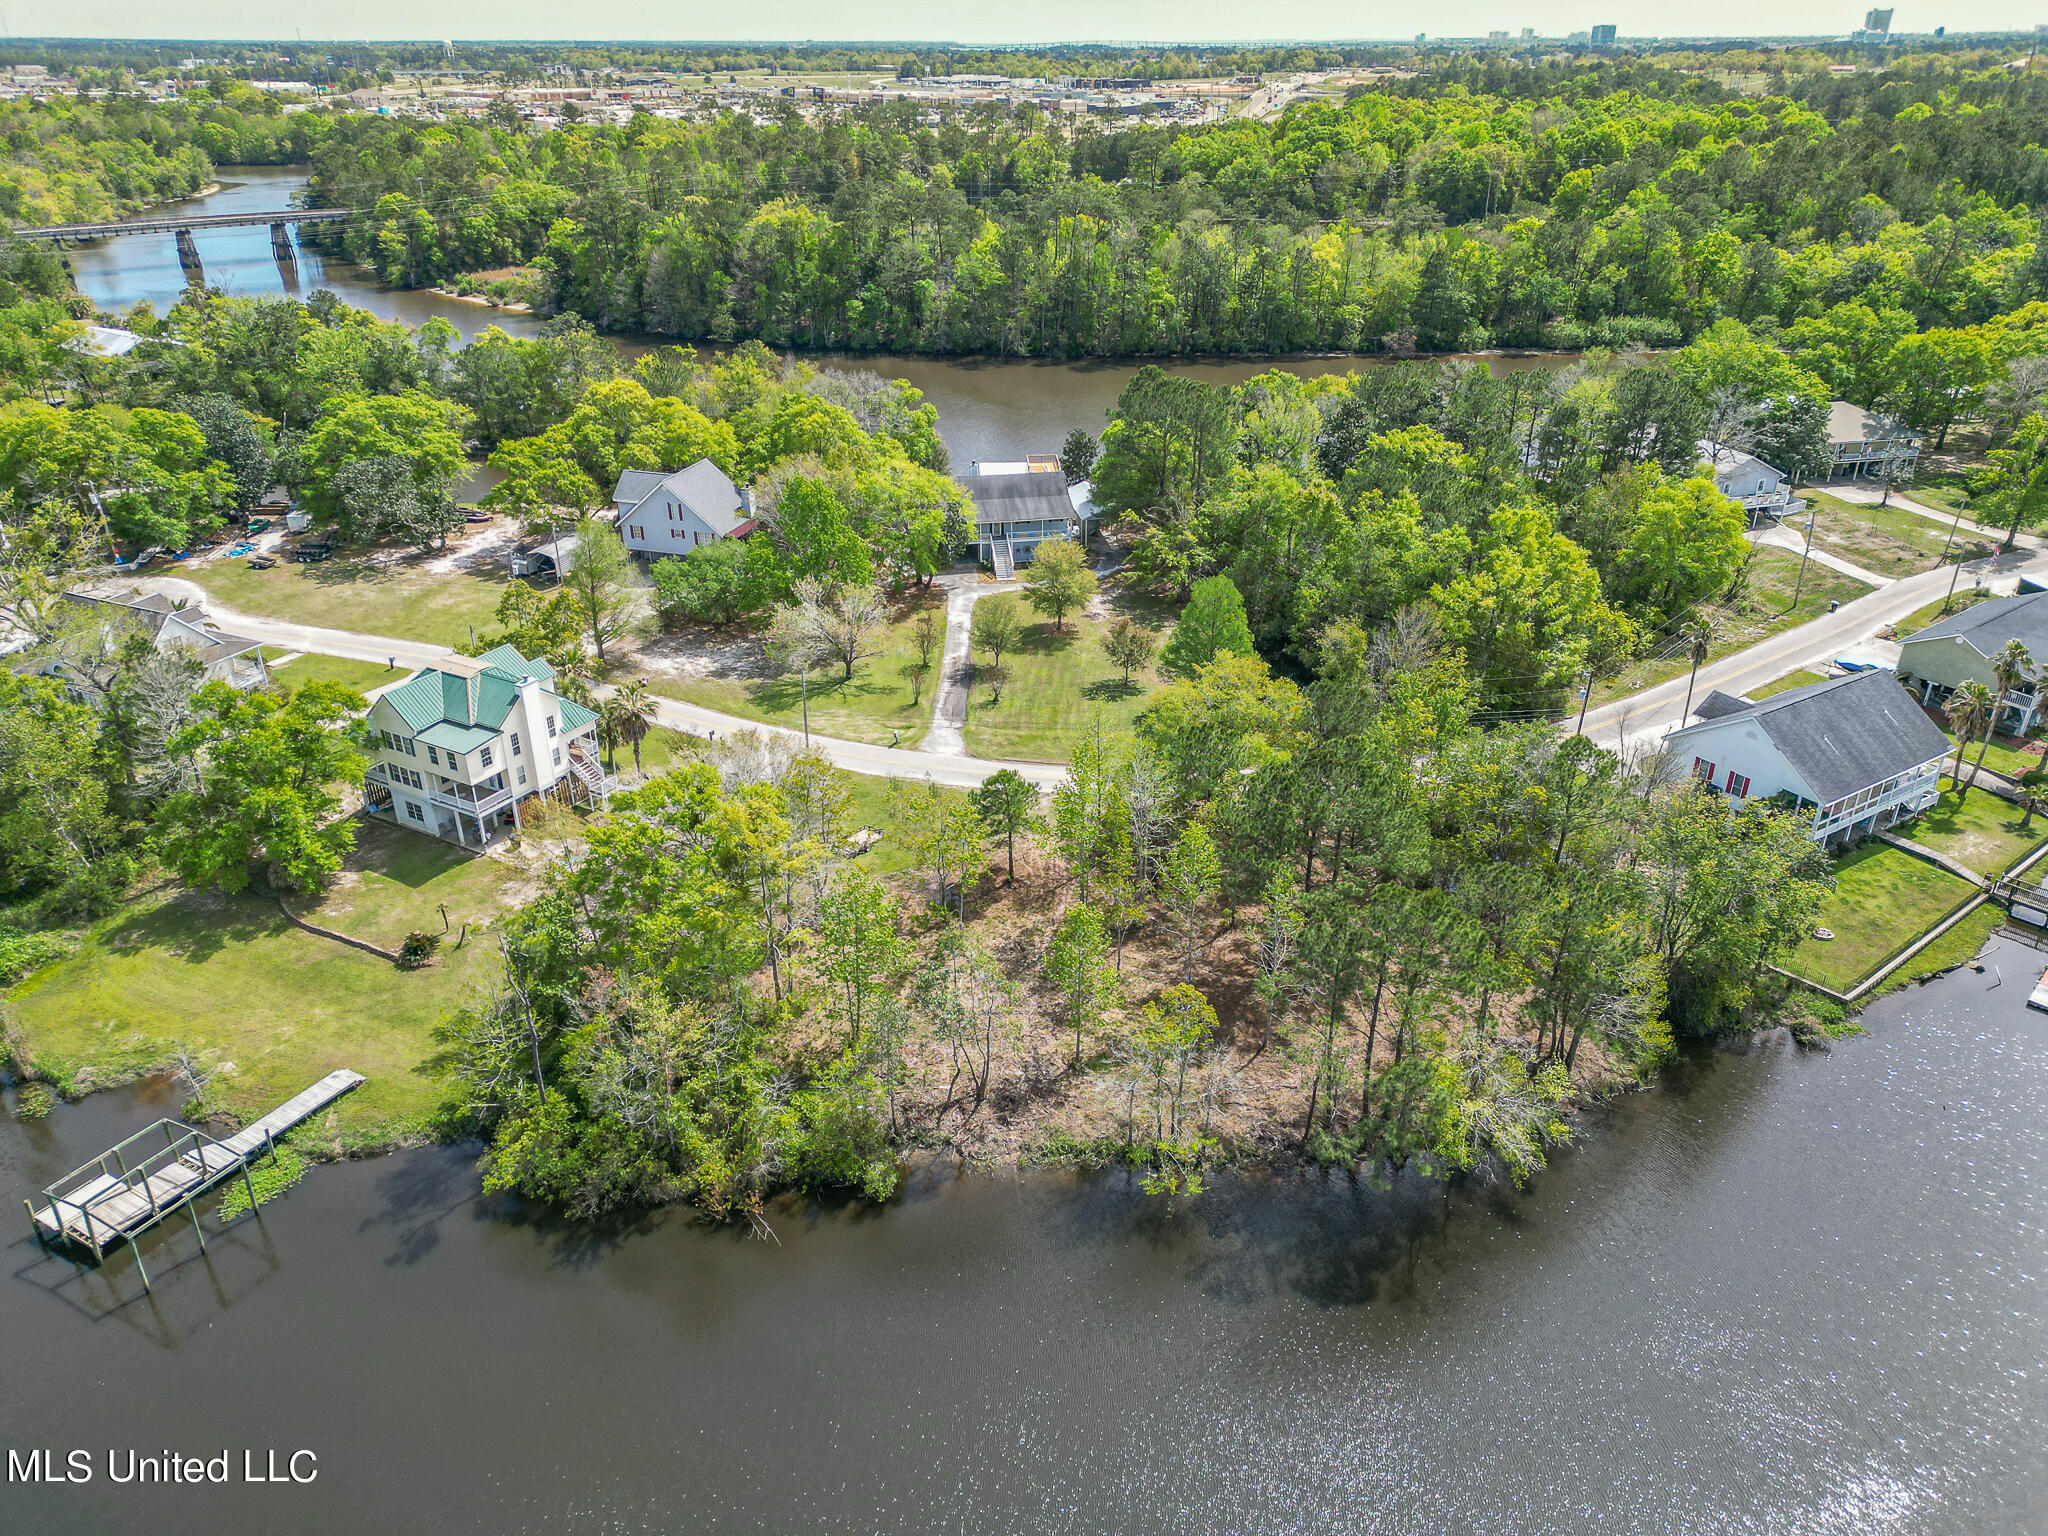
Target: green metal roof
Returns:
[575, 716]
[448, 709]
[506, 659]
[450, 737]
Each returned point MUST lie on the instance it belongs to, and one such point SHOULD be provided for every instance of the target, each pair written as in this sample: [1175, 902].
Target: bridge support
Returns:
[281, 244]
[188, 257]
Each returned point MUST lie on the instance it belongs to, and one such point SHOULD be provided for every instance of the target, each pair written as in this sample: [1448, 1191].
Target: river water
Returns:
[988, 408]
[1781, 1293]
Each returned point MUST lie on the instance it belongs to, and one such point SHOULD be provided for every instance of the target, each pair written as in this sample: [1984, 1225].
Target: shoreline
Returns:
[513, 307]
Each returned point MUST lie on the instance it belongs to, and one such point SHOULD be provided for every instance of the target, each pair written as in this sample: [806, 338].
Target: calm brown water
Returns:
[1783, 1294]
[988, 408]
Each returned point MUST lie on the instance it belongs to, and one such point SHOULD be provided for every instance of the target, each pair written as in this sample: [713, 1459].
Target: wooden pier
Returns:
[132, 1186]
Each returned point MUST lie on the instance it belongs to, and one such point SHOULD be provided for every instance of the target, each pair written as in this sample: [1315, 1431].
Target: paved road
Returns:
[854, 756]
[1643, 717]
[1624, 724]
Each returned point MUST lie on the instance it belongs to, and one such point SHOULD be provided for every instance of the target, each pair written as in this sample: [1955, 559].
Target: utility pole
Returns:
[1800, 585]
[1951, 544]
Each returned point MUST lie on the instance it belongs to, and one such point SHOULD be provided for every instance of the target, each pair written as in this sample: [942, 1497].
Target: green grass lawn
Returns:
[271, 1007]
[310, 668]
[1784, 684]
[2007, 754]
[1983, 833]
[397, 598]
[1060, 686]
[1884, 899]
[1761, 610]
[1888, 540]
[874, 706]
[1957, 947]
[1920, 618]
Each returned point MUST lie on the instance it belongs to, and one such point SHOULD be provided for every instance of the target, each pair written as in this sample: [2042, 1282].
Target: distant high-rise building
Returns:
[1528, 34]
[1497, 35]
[1603, 37]
[1879, 22]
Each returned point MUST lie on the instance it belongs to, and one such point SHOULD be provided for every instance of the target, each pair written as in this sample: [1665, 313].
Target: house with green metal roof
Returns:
[460, 746]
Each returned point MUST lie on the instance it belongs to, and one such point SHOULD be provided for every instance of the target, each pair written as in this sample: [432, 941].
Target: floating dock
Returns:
[2038, 998]
[137, 1183]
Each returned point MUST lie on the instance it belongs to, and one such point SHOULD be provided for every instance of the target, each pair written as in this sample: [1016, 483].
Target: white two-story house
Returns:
[1745, 478]
[460, 745]
[1853, 754]
[674, 513]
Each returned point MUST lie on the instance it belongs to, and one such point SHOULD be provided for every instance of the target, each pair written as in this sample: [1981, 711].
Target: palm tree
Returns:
[609, 732]
[2013, 667]
[636, 715]
[1967, 709]
[1702, 636]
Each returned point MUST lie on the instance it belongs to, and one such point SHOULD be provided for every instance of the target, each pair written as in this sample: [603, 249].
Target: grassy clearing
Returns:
[1884, 899]
[1982, 833]
[369, 594]
[2009, 755]
[1888, 540]
[1920, 618]
[1061, 685]
[1760, 611]
[268, 1006]
[1959, 946]
[875, 705]
[1784, 684]
[309, 668]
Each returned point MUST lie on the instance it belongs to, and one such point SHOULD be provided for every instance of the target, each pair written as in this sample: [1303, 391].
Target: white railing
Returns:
[481, 805]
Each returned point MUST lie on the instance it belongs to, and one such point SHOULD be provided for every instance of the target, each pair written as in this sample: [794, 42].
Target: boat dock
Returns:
[162, 1170]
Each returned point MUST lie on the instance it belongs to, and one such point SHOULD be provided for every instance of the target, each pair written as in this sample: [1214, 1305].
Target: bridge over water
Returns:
[185, 225]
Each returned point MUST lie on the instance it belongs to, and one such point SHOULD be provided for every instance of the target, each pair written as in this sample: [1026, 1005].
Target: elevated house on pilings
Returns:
[461, 745]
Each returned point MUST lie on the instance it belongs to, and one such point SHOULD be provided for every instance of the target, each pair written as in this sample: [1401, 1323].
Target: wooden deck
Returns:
[96, 1206]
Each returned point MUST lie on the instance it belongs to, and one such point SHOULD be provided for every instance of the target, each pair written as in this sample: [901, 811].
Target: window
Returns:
[1702, 769]
[435, 757]
[410, 749]
[551, 725]
[522, 773]
[413, 811]
[558, 757]
[483, 758]
[455, 761]
[1738, 784]
[515, 743]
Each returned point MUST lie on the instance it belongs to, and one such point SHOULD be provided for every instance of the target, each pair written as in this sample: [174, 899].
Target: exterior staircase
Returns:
[1005, 562]
[591, 775]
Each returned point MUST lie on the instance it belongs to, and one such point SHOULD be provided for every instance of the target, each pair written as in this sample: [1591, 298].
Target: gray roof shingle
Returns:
[1844, 734]
[704, 488]
[1991, 623]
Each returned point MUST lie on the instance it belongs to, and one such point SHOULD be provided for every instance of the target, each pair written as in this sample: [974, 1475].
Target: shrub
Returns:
[23, 953]
[419, 948]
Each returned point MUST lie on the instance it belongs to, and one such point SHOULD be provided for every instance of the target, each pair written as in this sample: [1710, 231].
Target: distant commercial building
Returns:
[1603, 36]
[1528, 34]
[1879, 22]
[1498, 35]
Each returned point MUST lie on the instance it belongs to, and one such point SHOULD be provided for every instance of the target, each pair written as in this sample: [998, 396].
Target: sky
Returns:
[976, 21]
